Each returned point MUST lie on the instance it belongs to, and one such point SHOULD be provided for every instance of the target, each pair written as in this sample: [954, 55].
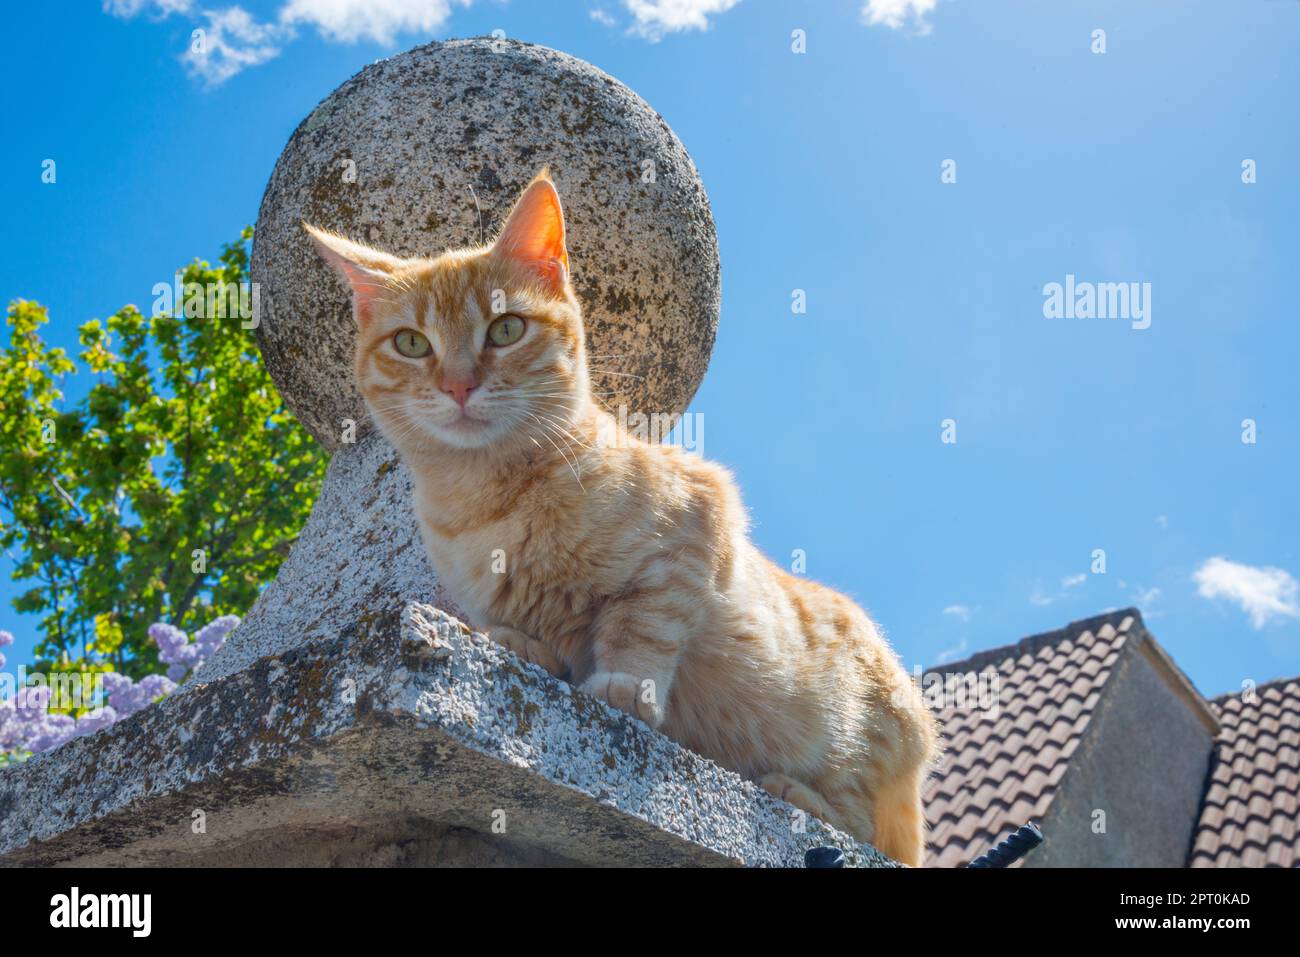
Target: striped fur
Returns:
[624, 566]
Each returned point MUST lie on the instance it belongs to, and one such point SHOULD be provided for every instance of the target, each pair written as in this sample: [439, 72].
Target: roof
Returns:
[1002, 766]
[1252, 802]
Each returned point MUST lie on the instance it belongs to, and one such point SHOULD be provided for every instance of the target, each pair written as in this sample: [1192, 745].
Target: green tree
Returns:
[167, 494]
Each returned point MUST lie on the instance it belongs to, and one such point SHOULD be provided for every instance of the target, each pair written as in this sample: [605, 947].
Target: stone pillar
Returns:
[347, 720]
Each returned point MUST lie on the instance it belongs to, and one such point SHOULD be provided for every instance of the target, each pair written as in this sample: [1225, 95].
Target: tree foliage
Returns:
[171, 492]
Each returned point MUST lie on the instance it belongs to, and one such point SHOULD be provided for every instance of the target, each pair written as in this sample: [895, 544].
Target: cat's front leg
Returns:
[636, 648]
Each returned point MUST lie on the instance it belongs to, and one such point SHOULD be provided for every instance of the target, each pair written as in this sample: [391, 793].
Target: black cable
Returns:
[1025, 839]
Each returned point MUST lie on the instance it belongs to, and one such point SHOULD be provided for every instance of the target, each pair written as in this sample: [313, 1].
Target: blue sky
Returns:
[924, 298]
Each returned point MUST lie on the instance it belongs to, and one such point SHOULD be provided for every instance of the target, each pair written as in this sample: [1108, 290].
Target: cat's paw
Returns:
[797, 793]
[529, 649]
[627, 693]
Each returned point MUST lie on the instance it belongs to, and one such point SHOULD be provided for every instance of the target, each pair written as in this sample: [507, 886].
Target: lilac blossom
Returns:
[27, 724]
[126, 697]
[212, 636]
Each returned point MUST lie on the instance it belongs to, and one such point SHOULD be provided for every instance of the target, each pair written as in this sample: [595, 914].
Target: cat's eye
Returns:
[505, 330]
[412, 344]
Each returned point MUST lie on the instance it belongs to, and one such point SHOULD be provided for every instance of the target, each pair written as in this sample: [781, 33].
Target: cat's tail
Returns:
[898, 812]
[899, 818]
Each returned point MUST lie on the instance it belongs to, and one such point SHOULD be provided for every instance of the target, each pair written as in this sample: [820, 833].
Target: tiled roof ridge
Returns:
[1217, 749]
[1033, 644]
[1258, 817]
[1246, 790]
[1266, 686]
[996, 798]
[1230, 855]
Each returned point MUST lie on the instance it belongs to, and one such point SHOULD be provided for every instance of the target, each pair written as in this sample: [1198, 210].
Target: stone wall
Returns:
[406, 739]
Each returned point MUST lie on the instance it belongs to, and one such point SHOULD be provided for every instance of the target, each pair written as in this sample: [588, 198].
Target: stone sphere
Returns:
[427, 151]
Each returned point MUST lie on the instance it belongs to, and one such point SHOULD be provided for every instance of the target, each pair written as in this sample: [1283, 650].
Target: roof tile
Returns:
[1248, 814]
[1000, 771]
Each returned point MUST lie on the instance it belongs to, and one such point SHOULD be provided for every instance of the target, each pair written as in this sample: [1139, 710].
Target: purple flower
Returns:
[27, 725]
[123, 696]
[9, 726]
[115, 683]
[155, 686]
[50, 732]
[32, 700]
[126, 697]
[183, 655]
[173, 644]
[212, 636]
[94, 720]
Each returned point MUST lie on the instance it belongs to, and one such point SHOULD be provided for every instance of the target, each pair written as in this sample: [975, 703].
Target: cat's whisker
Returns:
[558, 429]
[570, 436]
[560, 426]
[571, 464]
[566, 437]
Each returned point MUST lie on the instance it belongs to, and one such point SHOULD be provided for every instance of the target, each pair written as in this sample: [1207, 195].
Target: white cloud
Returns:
[654, 18]
[1146, 597]
[895, 13]
[1162, 521]
[1263, 593]
[951, 654]
[231, 41]
[1040, 598]
[347, 21]
[958, 611]
[126, 9]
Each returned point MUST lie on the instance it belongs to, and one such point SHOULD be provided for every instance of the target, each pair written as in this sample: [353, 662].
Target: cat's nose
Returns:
[459, 388]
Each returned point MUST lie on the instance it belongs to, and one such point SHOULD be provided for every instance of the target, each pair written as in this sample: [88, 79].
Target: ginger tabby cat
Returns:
[630, 569]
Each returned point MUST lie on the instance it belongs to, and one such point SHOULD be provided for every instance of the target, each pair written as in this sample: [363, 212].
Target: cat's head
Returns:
[476, 348]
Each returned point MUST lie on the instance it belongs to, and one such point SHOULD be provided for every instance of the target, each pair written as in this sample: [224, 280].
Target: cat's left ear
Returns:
[366, 270]
[533, 236]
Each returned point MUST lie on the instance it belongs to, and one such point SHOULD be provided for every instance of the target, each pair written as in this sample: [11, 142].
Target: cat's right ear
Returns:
[366, 270]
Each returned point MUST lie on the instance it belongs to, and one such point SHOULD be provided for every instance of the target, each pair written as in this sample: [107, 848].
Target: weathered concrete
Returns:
[390, 158]
[404, 739]
[359, 557]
